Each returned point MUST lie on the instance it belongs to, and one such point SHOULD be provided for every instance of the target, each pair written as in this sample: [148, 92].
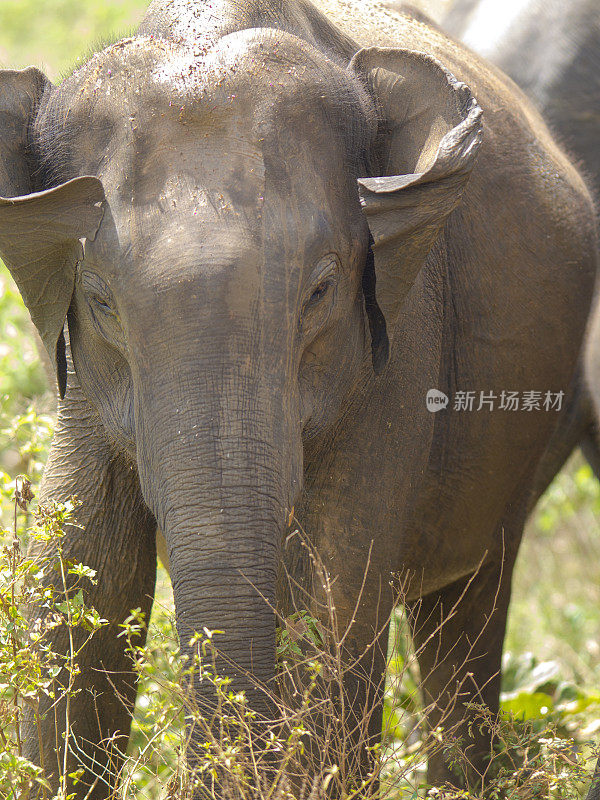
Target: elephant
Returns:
[274, 231]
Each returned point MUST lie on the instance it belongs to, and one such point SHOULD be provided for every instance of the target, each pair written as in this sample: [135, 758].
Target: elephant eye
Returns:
[323, 277]
[101, 303]
[97, 293]
[323, 280]
[319, 292]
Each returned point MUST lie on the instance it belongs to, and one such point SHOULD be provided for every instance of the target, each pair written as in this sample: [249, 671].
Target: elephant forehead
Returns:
[259, 63]
[206, 233]
[199, 273]
[250, 79]
[185, 173]
[152, 106]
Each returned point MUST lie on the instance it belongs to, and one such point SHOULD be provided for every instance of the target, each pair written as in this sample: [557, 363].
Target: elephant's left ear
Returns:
[40, 232]
[40, 243]
[430, 130]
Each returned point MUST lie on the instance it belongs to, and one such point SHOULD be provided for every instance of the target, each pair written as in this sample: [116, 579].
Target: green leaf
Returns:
[527, 705]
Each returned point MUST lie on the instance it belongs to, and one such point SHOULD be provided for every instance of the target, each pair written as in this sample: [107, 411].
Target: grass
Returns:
[54, 34]
[556, 585]
[552, 652]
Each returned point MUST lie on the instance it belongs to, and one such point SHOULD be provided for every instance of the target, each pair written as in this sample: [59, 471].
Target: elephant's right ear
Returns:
[430, 129]
[40, 232]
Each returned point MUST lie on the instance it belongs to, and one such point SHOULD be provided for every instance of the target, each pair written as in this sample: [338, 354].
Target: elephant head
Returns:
[231, 235]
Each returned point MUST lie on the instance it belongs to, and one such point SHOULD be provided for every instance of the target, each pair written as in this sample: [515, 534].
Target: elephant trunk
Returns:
[219, 477]
[223, 556]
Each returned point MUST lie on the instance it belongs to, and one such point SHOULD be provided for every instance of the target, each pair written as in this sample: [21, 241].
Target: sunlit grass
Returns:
[53, 34]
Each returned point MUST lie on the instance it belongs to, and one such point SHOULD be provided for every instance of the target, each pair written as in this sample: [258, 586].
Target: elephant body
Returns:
[552, 52]
[296, 223]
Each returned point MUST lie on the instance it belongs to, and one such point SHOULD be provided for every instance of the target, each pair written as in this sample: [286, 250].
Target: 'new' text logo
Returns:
[436, 400]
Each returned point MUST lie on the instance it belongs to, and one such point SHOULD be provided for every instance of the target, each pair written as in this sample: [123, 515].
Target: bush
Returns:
[29, 667]
[313, 746]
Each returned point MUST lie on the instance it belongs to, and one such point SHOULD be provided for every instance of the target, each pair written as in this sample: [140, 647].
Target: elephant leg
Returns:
[458, 636]
[117, 539]
[365, 651]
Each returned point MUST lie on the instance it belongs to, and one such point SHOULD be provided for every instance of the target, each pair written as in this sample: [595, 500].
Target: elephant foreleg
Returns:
[117, 539]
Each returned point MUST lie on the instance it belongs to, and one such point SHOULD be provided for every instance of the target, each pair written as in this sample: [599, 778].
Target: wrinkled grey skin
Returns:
[233, 358]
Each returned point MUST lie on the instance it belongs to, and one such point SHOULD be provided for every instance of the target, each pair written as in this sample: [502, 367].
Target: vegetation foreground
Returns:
[539, 745]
